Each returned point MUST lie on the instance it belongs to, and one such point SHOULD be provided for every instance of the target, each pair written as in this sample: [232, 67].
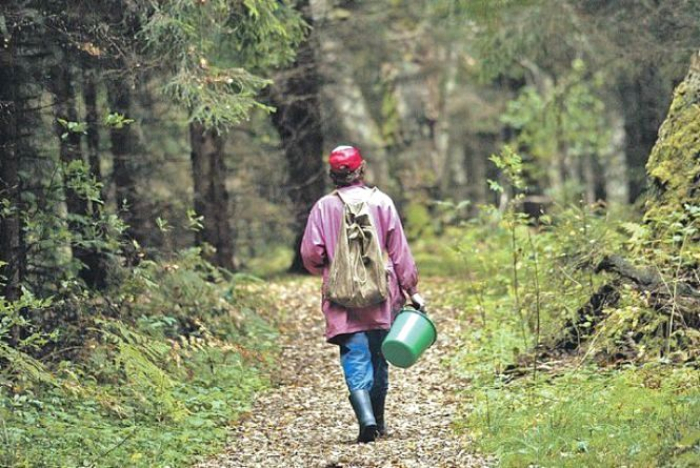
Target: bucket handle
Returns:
[425, 314]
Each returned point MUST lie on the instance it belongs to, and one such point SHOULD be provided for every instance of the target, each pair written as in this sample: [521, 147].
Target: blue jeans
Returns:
[363, 363]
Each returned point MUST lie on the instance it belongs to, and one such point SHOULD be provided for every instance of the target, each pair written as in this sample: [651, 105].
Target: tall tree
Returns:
[211, 199]
[297, 119]
[76, 179]
[10, 240]
[92, 133]
[127, 152]
[206, 49]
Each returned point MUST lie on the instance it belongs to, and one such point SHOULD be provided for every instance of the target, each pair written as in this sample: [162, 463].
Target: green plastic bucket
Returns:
[410, 335]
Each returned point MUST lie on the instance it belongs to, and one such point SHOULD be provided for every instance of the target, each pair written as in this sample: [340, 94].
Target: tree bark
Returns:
[91, 118]
[479, 169]
[614, 162]
[10, 224]
[346, 116]
[674, 162]
[211, 200]
[92, 270]
[643, 103]
[126, 151]
[298, 122]
[590, 178]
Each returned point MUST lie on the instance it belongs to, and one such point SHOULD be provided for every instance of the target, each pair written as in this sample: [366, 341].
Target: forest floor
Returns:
[306, 421]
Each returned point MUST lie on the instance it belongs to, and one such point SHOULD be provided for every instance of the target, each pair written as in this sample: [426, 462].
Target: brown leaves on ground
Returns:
[306, 420]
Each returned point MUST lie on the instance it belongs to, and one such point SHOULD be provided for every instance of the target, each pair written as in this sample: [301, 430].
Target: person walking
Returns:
[359, 331]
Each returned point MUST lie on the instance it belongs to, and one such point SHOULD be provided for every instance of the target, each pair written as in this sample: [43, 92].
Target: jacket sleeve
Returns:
[313, 246]
[400, 253]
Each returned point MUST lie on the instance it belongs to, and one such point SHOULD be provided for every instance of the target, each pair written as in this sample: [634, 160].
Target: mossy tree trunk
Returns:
[670, 283]
[674, 163]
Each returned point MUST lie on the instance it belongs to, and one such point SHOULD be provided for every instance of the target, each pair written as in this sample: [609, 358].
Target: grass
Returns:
[158, 387]
[137, 421]
[112, 427]
[634, 417]
[577, 413]
[272, 263]
[588, 416]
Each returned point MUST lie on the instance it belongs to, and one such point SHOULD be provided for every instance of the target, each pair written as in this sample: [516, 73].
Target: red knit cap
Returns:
[345, 158]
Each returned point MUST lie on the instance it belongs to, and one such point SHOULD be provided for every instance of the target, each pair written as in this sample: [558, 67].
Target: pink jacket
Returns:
[318, 248]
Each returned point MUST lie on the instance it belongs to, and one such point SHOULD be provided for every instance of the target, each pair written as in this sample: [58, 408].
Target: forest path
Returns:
[306, 420]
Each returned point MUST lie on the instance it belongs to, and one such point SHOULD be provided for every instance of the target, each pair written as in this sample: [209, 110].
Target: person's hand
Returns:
[417, 301]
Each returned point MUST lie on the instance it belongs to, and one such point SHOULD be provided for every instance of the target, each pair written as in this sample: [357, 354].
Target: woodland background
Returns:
[158, 158]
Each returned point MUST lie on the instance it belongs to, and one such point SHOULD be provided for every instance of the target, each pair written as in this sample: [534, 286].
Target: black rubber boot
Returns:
[378, 409]
[362, 404]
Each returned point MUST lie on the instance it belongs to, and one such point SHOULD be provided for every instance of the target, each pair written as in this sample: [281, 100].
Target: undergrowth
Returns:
[157, 371]
[567, 411]
[625, 393]
[646, 416]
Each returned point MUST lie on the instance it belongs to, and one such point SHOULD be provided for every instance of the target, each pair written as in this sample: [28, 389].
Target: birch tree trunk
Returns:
[614, 163]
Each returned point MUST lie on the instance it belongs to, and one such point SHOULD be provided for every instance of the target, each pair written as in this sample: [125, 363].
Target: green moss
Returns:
[674, 163]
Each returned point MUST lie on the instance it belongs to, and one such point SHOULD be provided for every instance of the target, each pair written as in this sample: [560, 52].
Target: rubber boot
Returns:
[362, 405]
[378, 409]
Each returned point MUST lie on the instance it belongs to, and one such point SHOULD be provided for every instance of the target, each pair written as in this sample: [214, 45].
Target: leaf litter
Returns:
[305, 420]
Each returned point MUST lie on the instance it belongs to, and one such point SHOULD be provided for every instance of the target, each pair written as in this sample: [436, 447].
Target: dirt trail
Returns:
[306, 421]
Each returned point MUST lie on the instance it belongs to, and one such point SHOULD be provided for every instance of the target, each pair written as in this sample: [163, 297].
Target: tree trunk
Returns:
[92, 270]
[10, 225]
[346, 116]
[442, 138]
[643, 103]
[615, 164]
[298, 122]
[211, 198]
[91, 118]
[674, 163]
[590, 178]
[479, 169]
[126, 151]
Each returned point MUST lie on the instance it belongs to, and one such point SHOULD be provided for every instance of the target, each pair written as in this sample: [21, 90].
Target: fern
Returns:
[139, 357]
[25, 365]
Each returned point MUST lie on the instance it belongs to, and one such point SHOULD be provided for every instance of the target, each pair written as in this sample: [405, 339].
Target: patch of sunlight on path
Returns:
[306, 420]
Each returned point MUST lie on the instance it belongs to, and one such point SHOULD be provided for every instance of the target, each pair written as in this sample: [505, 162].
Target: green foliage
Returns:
[212, 49]
[72, 127]
[586, 417]
[571, 413]
[116, 120]
[673, 167]
[273, 261]
[568, 119]
[157, 386]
